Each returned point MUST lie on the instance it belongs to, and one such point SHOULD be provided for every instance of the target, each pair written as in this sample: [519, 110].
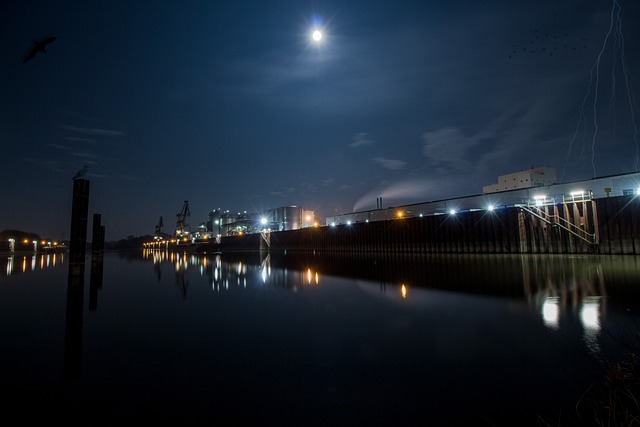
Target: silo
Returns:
[292, 217]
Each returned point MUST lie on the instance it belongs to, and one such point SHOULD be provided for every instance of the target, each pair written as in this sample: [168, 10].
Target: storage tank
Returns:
[288, 217]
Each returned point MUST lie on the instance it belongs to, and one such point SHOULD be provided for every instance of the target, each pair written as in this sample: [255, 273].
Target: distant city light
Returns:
[348, 222]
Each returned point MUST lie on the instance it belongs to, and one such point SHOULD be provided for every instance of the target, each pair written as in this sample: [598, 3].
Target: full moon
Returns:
[316, 35]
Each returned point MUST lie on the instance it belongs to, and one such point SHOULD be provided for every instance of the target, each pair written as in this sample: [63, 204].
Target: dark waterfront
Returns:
[304, 339]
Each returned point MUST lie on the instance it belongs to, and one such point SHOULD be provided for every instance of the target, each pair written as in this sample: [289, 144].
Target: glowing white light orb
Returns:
[316, 35]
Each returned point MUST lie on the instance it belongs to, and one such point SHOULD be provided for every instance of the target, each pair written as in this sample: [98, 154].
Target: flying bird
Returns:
[39, 46]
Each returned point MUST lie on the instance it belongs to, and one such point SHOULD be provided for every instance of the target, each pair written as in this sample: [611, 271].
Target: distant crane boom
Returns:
[159, 227]
[181, 224]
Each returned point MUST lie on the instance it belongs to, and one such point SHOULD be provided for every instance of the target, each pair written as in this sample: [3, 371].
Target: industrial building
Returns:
[534, 177]
[224, 223]
[534, 187]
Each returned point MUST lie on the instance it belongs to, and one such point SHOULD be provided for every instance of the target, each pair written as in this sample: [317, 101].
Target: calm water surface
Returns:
[303, 339]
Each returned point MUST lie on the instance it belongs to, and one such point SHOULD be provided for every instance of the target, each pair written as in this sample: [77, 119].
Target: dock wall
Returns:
[605, 226]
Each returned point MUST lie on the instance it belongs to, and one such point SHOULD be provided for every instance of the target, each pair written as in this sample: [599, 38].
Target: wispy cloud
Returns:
[449, 148]
[391, 164]
[84, 155]
[93, 131]
[80, 139]
[50, 165]
[361, 139]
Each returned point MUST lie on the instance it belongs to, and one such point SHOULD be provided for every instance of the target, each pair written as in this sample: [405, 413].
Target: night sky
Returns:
[232, 105]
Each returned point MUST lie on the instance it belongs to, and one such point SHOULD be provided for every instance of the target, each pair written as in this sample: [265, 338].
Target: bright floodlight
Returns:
[316, 35]
[490, 207]
[452, 212]
[263, 221]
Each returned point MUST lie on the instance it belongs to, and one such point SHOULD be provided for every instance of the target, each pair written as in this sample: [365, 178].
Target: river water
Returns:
[315, 339]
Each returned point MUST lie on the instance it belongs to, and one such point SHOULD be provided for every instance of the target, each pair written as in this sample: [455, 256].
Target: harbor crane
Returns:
[181, 224]
[159, 228]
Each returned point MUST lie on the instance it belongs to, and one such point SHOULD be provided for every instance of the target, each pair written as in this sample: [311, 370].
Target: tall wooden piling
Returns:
[75, 285]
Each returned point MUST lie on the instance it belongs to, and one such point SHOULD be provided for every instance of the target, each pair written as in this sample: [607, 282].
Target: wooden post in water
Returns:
[75, 285]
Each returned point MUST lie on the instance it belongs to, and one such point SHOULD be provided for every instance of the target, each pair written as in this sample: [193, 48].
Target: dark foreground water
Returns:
[313, 340]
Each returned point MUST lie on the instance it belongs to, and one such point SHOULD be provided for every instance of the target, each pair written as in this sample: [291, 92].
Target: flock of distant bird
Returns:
[547, 44]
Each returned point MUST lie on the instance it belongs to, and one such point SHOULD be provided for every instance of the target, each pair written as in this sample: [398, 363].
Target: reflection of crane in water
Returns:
[181, 224]
[159, 228]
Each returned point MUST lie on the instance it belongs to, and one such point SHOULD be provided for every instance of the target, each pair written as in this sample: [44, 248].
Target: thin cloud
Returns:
[84, 155]
[80, 139]
[390, 164]
[49, 164]
[449, 148]
[93, 131]
[361, 139]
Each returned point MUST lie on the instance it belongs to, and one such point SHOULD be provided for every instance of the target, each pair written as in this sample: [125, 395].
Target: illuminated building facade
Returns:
[534, 177]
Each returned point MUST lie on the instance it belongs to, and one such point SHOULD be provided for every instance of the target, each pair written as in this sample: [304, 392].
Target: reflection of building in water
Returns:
[226, 272]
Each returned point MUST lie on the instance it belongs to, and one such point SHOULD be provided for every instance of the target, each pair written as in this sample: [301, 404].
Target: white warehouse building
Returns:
[534, 177]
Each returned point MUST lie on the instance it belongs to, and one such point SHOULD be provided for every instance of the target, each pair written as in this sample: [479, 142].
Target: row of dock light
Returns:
[44, 244]
[538, 200]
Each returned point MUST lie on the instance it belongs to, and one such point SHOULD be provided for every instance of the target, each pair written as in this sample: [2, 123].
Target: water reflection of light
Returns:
[312, 277]
[551, 312]
[24, 264]
[10, 266]
[590, 313]
[590, 319]
[264, 274]
[33, 263]
[403, 290]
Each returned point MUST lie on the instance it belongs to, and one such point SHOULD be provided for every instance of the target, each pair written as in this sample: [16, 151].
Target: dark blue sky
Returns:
[230, 105]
